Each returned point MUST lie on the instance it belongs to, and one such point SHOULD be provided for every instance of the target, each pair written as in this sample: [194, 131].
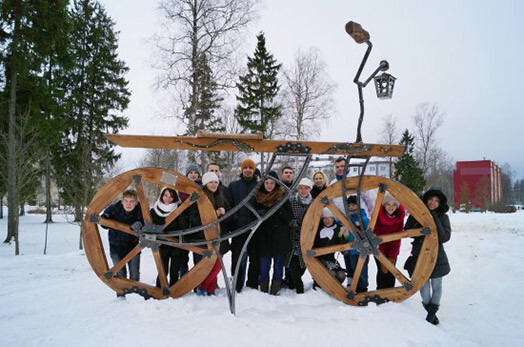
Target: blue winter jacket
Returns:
[355, 219]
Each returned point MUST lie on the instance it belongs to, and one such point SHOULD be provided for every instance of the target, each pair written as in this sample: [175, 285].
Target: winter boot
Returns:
[299, 287]
[432, 310]
[275, 287]
[264, 287]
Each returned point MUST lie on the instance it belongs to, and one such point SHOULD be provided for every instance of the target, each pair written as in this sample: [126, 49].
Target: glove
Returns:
[136, 226]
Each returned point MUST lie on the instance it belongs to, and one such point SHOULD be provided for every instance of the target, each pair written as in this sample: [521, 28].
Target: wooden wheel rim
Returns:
[94, 248]
[412, 204]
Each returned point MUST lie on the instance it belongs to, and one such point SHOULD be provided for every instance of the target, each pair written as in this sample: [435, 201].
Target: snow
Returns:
[57, 300]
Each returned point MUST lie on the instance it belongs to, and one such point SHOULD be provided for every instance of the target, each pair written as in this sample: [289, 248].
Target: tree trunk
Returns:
[12, 197]
[78, 213]
[48, 211]
[22, 209]
[2, 206]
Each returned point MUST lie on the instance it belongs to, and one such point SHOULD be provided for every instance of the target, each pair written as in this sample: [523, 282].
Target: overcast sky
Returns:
[464, 55]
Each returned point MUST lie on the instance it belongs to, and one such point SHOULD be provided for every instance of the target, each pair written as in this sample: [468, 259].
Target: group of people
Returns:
[276, 243]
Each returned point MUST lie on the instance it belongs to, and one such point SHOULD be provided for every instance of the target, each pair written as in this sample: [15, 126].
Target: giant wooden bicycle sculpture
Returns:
[152, 236]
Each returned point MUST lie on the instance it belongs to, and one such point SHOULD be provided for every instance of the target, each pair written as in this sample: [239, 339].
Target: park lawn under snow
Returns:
[57, 300]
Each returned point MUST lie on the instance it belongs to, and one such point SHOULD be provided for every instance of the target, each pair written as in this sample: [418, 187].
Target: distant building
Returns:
[478, 182]
[375, 167]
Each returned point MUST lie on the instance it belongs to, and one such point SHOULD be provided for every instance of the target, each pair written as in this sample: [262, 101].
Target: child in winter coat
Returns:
[437, 203]
[172, 257]
[126, 211]
[329, 234]
[351, 257]
[390, 220]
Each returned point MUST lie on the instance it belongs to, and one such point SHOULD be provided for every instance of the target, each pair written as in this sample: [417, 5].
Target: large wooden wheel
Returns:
[413, 205]
[93, 241]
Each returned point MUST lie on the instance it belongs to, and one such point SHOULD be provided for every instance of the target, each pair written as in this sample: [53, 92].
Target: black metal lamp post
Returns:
[383, 84]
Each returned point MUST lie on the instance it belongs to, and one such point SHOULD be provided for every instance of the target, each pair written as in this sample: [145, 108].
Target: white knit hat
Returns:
[326, 213]
[306, 182]
[209, 177]
[389, 198]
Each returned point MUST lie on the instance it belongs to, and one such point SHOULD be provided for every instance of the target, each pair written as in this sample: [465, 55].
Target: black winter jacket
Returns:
[273, 235]
[120, 240]
[235, 193]
[442, 266]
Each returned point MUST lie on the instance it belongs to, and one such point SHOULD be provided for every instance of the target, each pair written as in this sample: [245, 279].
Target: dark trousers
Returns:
[296, 272]
[133, 265]
[278, 268]
[253, 271]
[172, 259]
[384, 280]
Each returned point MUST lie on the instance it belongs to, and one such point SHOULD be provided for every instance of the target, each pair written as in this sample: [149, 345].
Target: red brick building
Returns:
[479, 182]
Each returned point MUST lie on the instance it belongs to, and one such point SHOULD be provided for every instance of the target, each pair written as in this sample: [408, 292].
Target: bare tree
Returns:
[26, 165]
[427, 119]
[389, 133]
[192, 30]
[308, 92]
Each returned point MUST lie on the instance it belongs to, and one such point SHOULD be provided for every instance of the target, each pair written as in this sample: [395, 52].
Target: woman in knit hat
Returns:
[390, 220]
[172, 257]
[272, 236]
[210, 182]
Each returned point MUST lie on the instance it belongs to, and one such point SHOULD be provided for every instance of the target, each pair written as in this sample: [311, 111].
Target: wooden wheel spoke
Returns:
[144, 204]
[126, 259]
[376, 209]
[346, 222]
[356, 274]
[195, 249]
[401, 234]
[391, 268]
[116, 225]
[317, 252]
[178, 211]
[160, 267]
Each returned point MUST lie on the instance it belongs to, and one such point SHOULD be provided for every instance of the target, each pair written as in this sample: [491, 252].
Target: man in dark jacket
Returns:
[287, 175]
[125, 211]
[235, 193]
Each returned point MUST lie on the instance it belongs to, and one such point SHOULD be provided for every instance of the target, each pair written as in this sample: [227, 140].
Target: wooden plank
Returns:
[331, 249]
[126, 259]
[356, 274]
[400, 235]
[178, 211]
[342, 217]
[160, 268]
[113, 224]
[236, 143]
[376, 210]
[144, 203]
[391, 267]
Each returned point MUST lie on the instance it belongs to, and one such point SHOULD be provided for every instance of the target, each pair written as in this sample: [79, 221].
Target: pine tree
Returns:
[203, 103]
[407, 170]
[256, 109]
[257, 91]
[97, 93]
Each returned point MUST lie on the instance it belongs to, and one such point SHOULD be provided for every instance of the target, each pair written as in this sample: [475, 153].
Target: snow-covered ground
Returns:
[56, 300]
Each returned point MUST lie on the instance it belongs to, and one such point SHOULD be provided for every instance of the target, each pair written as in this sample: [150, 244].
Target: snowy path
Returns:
[56, 300]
